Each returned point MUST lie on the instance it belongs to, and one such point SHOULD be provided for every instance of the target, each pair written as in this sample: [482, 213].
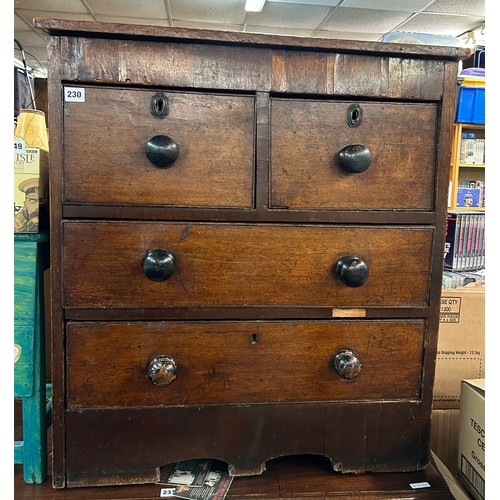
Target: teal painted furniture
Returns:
[31, 258]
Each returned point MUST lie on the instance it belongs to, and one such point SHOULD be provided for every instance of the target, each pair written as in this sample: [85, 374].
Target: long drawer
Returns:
[200, 153]
[150, 264]
[120, 364]
[345, 155]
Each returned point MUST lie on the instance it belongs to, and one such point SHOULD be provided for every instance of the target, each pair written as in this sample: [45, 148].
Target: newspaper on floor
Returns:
[216, 481]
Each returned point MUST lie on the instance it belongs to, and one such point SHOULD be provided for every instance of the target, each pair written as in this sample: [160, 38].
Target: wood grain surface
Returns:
[241, 362]
[307, 136]
[105, 139]
[243, 265]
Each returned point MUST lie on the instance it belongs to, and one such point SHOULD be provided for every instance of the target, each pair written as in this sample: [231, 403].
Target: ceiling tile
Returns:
[29, 15]
[21, 24]
[280, 15]
[388, 5]
[207, 26]
[349, 35]
[33, 39]
[441, 24]
[145, 9]
[329, 3]
[75, 6]
[470, 7]
[212, 11]
[364, 21]
[277, 30]
[132, 20]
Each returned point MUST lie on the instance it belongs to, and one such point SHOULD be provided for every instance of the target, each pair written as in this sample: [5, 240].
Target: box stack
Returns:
[460, 356]
[471, 100]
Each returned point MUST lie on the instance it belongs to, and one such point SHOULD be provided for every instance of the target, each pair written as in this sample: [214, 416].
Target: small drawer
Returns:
[119, 149]
[336, 155]
[168, 265]
[199, 363]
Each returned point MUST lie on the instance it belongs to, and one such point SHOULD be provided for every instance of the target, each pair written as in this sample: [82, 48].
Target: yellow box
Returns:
[31, 173]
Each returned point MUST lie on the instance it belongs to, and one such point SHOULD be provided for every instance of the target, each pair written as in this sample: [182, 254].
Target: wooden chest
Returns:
[247, 238]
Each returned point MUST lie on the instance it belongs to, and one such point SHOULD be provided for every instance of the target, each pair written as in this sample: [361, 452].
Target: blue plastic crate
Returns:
[470, 105]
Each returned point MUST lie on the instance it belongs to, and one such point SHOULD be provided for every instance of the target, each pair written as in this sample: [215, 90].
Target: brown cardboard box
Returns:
[445, 427]
[454, 485]
[31, 171]
[460, 353]
[472, 437]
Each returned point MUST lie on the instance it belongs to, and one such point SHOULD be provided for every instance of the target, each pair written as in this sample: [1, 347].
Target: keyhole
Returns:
[354, 115]
[159, 105]
[255, 338]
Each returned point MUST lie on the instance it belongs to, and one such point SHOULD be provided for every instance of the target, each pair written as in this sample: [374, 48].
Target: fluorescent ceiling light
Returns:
[254, 5]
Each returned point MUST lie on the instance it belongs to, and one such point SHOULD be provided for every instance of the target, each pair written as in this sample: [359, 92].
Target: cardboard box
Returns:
[472, 437]
[31, 174]
[445, 426]
[461, 338]
[454, 485]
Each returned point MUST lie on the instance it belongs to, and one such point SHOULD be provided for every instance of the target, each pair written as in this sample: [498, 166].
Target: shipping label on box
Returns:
[460, 352]
[30, 188]
[472, 437]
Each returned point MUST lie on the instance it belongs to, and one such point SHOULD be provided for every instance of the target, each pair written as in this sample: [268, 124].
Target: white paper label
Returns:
[416, 486]
[167, 492]
[74, 94]
[19, 146]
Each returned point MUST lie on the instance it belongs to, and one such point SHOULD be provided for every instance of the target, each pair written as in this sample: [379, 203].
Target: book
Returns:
[464, 241]
[468, 197]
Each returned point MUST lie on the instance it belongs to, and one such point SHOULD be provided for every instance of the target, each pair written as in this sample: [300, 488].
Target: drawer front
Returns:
[106, 141]
[116, 364]
[395, 145]
[108, 265]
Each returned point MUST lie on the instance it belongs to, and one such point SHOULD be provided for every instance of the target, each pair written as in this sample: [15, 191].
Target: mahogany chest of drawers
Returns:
[247, 237]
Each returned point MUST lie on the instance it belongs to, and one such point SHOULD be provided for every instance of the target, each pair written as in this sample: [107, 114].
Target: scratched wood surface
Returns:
[308, 135]
[214, 135]
[242, 265]
[241, 362]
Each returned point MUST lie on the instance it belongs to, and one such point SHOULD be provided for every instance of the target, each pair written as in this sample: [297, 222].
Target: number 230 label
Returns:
[74, 94]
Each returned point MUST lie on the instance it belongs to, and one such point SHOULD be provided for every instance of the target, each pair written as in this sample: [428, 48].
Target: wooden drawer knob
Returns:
[355, 158]
[351, 270]
[347, 364]
[161, 150]
[162, 370]
[159, 264]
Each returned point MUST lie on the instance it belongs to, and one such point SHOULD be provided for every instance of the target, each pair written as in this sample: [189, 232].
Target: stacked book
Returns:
[465, 241]
[470, 194]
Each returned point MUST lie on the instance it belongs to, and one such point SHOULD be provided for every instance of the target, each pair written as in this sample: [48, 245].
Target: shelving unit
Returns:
[463, 169]
[31, 258]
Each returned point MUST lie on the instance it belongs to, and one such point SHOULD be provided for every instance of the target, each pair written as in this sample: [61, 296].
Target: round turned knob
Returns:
[355, 158]
[347, 364]
[161, 150]
[158, 265]
[351, 270]
[162, 370]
